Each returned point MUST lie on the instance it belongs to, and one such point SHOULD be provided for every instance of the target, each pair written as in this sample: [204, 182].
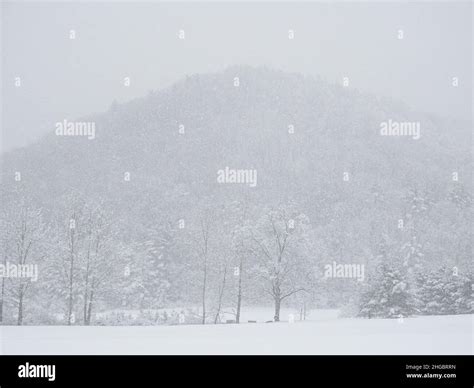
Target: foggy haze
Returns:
[65, 78]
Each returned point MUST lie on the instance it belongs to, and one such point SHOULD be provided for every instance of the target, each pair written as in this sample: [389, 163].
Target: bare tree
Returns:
[87, 271]
[204, 252]
[239, 290]
[97, 268]
[221, 293]
[70, 274]
[27, 232]
[98, 271]
[2, 295]
[281, 243]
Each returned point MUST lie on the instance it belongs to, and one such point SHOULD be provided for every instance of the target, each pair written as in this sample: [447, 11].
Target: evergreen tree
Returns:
[389, 296]
[444, 292]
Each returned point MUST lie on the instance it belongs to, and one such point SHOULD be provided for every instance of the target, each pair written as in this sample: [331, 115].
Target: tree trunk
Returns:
[86, 291]
[71, 284]
[239, 294]
[204, 293]
[89, 309]
[1, 299]
[221, 294]
[86, 299]
[277, 298]
[204, 252]
[3, 290]
[86, 304]
[20, 305]
[277, 309]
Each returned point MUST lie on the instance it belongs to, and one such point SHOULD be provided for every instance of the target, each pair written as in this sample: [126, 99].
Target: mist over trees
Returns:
[136, 220]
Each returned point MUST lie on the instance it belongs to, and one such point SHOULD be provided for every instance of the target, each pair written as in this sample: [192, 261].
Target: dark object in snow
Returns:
[252, 321]
[268, 321]
[230, 321]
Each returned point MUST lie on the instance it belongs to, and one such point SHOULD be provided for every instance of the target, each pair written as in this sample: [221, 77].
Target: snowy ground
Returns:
[323, 333]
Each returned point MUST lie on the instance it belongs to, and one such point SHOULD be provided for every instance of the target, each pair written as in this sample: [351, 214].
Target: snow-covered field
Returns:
[323, 333]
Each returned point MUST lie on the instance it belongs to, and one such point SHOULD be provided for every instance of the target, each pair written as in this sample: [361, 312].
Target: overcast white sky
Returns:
[63, 78]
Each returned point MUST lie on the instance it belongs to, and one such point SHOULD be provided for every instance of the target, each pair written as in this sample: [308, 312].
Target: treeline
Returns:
[395, 293]
[97, 267]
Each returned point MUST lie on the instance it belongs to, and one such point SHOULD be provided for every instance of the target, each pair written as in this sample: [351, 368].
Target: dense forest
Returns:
[140, 218]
